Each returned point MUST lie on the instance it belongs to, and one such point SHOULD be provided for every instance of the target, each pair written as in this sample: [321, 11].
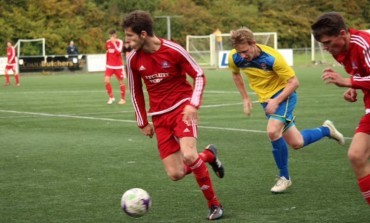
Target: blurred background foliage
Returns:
[87, 22]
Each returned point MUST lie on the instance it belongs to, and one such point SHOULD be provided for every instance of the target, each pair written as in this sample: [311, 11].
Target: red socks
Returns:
[123, 91]
[364, 184]
[108, 87]
[206, 156]
[7, 80]
[16, 79]
[203, 179]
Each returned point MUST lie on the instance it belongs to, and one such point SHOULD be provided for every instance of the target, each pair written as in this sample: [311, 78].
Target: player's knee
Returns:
[189, 159]
[273, 135]
[175, 176]
[296, 145]
[355, 157]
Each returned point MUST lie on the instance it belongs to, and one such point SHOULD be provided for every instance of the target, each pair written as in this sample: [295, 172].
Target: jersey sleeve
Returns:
[282, 68]
[119, 46]
[362, 81]
[11, 58]
[195, 71]
[137, 95]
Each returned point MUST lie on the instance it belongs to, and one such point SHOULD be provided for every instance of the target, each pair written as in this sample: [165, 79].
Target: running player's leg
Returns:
[277, 123]
[280, 153]
[187, 134]
[210, 155]
[359, 155]
[201, 174]
[299, 139]
[175, 165]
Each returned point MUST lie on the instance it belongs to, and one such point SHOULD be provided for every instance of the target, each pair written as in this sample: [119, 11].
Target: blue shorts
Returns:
[284, 112]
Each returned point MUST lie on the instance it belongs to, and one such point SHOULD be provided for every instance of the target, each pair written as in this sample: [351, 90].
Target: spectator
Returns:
[11, 64]
[72, 52]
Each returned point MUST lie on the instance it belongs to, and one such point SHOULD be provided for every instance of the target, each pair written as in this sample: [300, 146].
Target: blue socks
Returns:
[280, 148]
[313, 135]
[280, 152]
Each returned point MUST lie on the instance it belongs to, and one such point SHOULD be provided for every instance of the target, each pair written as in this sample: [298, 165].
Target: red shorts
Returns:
[364, 125]
[169, 128]
[10, 67]
[118, 72]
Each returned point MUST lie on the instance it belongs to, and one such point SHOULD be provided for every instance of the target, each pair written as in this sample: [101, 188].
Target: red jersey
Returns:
[10, 51]
[114, 54]
[164, 74]
[356, 62]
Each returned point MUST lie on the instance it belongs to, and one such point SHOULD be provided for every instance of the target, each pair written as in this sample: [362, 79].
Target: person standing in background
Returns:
[114, 66]
[11, 65]
[72, 52]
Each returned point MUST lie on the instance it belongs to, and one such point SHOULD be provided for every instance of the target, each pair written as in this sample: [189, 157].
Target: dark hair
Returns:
[139, 21]
[328, 24]
[111, 32]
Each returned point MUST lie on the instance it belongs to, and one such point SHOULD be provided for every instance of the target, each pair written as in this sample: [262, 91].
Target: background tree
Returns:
[87, 22]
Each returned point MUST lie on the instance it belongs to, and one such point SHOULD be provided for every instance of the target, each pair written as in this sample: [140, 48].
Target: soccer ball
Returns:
[135, 202]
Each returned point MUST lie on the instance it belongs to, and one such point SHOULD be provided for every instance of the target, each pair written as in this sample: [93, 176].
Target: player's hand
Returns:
[350, 95]
[148, 130]
[331, 77]
[190, 115]
[247, 107]
[271, 107]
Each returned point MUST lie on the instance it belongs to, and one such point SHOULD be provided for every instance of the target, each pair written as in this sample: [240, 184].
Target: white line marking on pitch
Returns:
[117, 120]
[129, 121]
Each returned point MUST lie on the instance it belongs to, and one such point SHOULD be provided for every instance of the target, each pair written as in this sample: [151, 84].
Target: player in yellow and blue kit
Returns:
[275, 83]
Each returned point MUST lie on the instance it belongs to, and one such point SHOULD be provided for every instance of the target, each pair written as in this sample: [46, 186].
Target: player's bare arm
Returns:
[239, 83]
[273, 104]
[148, 130]
[190, 115]
[332, 77]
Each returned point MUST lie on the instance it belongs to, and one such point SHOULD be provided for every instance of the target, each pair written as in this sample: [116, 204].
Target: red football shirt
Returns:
[10, 51]
[164, 73]
[114, 54]
[356, 62]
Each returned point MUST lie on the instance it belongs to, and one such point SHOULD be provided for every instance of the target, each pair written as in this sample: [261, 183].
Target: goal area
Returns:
[30, 48]
[207, 48]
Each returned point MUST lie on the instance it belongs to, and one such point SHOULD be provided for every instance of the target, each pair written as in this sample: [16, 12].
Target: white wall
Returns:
[2, 65]
[3, 61]
[95, 62]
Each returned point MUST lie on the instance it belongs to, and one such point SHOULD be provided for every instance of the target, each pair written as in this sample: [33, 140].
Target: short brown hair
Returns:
[139, 21]
[328, 24]
[241, 36]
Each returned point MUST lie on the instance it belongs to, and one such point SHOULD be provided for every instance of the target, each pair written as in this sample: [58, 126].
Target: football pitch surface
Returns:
[66, 156]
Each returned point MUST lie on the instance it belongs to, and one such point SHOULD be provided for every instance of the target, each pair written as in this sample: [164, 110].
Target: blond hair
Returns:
[241, 36]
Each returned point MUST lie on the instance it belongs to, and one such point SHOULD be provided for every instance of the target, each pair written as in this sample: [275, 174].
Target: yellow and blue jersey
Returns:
[267, 74]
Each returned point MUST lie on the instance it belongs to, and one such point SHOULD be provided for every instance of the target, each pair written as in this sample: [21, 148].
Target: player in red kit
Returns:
[11, 65]
[163, 66]
[351, 48]
[114, 66]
